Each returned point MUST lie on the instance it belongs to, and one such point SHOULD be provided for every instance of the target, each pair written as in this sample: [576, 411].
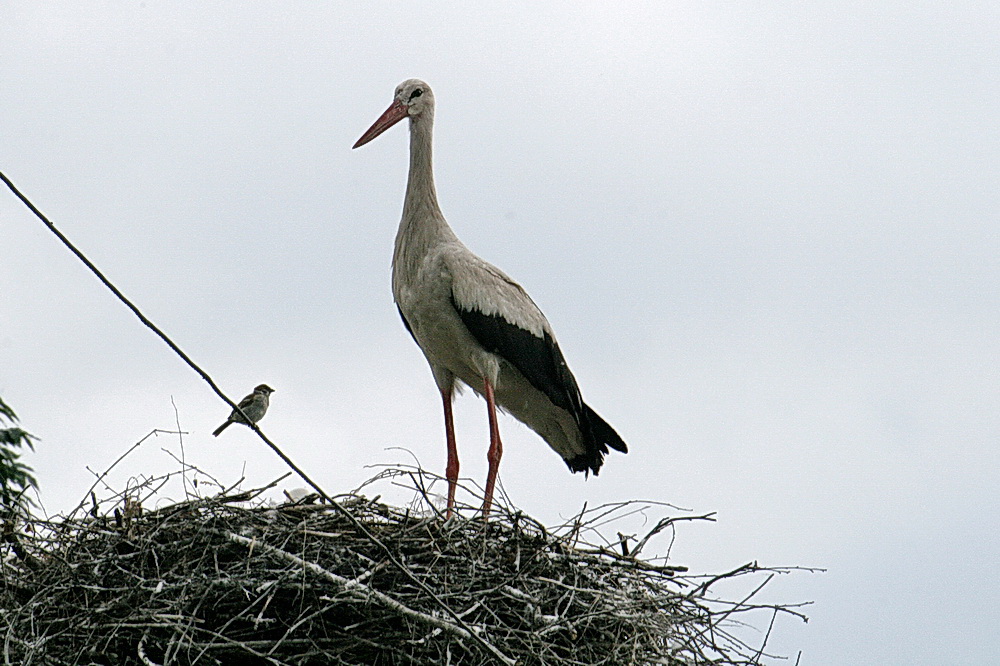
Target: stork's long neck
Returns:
[423, 226]
[420, 193]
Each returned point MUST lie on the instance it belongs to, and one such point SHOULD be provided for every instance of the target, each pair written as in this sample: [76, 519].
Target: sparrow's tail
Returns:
[221, 428]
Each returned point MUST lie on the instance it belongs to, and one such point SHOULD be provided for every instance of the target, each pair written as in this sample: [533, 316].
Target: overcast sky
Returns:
[764, 232]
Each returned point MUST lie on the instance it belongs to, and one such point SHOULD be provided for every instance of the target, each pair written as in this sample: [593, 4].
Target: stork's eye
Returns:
[416, 93]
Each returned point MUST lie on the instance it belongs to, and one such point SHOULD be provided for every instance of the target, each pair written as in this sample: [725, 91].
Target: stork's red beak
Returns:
[396, 112]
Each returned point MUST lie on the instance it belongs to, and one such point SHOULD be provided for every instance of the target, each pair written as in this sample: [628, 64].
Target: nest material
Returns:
[225, 580]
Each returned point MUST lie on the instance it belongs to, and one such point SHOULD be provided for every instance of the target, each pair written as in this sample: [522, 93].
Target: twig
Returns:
[141, 651]
[665, 523]
[100, 477]
[774, 615]
[180, 441]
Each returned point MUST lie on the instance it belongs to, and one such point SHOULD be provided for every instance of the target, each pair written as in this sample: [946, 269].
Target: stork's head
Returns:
[413, 99]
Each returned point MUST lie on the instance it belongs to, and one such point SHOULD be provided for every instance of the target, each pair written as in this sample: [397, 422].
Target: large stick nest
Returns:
[231, 579]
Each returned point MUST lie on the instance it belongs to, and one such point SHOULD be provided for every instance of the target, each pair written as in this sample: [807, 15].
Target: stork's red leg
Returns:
[451, 471]
[495, 452]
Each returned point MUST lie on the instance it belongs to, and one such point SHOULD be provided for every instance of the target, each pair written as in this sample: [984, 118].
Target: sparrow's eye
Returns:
[416, 93]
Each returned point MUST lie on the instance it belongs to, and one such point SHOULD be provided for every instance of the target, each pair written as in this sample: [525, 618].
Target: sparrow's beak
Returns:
[396, 112]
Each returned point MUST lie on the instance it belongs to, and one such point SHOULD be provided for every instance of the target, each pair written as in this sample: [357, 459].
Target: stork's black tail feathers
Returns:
[598, 435]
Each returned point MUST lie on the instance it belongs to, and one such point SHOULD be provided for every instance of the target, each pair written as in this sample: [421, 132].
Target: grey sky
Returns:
[764, 232]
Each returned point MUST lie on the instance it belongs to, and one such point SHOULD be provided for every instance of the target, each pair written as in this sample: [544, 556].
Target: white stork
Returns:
[477, 325]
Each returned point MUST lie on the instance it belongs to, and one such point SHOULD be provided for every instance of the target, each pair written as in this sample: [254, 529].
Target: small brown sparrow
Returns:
[254, 406]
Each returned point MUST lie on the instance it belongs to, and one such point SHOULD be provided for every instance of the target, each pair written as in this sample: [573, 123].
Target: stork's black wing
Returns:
[541, 362]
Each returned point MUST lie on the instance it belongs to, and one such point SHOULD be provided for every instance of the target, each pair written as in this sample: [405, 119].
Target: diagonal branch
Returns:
[360, 591]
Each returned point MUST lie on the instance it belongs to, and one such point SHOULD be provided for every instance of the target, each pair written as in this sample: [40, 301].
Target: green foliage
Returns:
[15, 476]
